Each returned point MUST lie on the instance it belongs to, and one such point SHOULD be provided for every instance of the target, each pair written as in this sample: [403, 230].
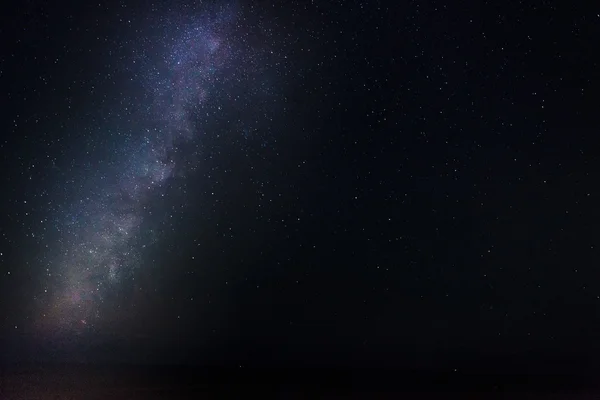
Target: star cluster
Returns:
[102, 233]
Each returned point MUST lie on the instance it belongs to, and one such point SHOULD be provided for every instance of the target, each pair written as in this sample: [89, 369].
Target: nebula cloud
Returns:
[100, 234]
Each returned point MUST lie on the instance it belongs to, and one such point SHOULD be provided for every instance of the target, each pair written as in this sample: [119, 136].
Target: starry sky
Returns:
[319, 182]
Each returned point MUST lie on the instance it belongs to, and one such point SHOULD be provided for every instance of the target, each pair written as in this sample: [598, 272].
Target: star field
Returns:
[349, 182]
[102, 233]
[185, 70]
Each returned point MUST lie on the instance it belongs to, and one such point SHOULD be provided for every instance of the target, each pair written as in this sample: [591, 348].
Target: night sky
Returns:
[348, 183]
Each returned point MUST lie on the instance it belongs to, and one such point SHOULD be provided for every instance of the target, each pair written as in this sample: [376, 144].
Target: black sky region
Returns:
[347, 183]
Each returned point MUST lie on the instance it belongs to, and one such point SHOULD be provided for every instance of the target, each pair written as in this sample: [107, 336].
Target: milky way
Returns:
[101, 233]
